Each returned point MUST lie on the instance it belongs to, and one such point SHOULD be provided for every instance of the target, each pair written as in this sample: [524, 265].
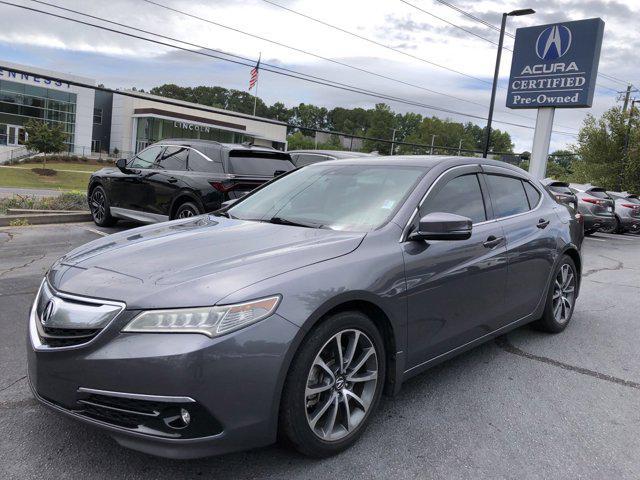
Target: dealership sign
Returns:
[555, 65]
[31, 78]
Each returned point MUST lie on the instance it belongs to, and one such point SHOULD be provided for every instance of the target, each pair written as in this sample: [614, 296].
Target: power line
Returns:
[313, 19]
[354, 89]
[306, 52]
[228, 113]
[509, 34]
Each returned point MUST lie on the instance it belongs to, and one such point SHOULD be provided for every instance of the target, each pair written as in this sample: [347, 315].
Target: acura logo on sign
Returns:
[553, 42]
[47, 312]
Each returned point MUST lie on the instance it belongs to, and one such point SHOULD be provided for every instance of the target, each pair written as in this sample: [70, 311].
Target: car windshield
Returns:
[339, 197]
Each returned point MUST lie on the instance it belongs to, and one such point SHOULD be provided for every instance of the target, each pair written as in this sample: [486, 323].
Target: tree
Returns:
[44, 138]
[382, 125]
[298, 141]
[601, 152]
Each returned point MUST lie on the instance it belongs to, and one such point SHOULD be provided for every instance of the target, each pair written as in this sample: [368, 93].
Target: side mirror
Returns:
[121, 163]
[228, 203]
[442, 226]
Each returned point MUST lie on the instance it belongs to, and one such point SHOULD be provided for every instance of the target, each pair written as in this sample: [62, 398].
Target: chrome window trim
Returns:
[37, 344]
[405, 230]
[522, 179]
[138, 396]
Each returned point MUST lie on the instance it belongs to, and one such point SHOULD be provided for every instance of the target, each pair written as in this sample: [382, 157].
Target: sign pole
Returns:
[541, 142]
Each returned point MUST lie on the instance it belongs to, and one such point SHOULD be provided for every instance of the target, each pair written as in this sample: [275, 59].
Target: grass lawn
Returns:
[87, 167]
[19, 178]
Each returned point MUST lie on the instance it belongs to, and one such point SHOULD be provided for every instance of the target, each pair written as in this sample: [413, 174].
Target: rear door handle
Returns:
[542, 223]
[172, 180]
[492, 241]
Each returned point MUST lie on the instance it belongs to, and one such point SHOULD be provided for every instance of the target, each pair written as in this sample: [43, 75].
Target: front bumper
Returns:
[234, 383]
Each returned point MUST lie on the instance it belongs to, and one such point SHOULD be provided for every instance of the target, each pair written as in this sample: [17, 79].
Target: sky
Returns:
[419, 39]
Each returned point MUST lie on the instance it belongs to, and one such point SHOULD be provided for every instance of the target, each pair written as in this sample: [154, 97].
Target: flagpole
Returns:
[255, 96]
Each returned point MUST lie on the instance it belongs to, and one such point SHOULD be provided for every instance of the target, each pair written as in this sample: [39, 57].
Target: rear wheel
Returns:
[187, 210]
[334, 385]
[561, 298]
[614, 228]
[99, 206]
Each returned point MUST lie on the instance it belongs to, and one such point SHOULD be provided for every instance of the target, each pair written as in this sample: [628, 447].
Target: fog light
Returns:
[177, 418]
[186, 417]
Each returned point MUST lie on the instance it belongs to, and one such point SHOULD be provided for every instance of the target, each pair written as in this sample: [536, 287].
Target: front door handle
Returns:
[172, 180]
[492, 241]
[542, 223]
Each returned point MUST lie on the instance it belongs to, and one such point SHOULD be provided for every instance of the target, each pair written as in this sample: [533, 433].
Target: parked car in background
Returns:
[180, 178]
[300, 158]
[627, 210]
[595, 206]
[288, 313]
[561, 192]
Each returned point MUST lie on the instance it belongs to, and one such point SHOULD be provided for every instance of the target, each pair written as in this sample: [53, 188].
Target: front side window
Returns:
[173, 158]
[461, 196]
[339, 197]
[145, 158]
[507, 195]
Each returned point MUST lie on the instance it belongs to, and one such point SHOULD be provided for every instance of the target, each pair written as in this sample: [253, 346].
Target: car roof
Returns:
[585, 187]
[335, 153]
[212, 144]
[427, 161]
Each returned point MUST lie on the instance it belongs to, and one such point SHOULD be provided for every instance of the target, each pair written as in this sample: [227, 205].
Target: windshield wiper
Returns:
[223, 214]
[293, 223]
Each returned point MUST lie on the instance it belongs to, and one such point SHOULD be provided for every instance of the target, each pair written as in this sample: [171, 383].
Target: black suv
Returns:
[180, 178]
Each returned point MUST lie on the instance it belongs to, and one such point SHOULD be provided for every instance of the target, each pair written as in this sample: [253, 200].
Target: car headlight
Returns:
[210, 321]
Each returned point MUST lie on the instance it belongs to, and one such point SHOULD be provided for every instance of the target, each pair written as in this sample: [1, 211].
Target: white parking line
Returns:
[595, 239]
[93, 230]
[619, 237]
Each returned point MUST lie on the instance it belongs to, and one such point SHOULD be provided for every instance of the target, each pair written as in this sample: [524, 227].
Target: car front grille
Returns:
[64, 320]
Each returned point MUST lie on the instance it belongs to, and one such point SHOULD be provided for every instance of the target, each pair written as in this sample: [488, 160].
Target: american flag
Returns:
[253, 79]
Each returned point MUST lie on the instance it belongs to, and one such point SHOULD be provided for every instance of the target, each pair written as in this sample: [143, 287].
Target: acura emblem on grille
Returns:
[47, 312]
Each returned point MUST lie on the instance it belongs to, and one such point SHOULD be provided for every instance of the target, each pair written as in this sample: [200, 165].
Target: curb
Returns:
[42, 219]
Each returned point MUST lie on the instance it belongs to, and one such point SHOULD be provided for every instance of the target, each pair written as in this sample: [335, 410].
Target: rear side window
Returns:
[256, 163]
[598, 194]
[560, 189]
[145, 158]
[462, 196]
[200, 163]
[507, 195]
[533, 195]
[173, 158]
[308, 159]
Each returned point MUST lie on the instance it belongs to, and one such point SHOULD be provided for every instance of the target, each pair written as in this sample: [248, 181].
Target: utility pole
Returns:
[393, 141]
[627, 139]
[459, 147]
[626, 98]
[433, 137]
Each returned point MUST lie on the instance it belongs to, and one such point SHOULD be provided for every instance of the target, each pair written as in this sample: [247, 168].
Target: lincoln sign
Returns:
[555, 65]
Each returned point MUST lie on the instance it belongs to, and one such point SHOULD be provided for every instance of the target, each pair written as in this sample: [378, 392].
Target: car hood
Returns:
[192, 262]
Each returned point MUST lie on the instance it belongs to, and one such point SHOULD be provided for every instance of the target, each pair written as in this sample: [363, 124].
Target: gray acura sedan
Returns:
[287, 314]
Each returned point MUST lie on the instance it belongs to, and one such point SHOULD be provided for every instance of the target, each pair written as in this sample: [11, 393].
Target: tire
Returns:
[304, 423]
[615, 228]
[561, 298]
[588, 233]
[187, 210]
[99, 206]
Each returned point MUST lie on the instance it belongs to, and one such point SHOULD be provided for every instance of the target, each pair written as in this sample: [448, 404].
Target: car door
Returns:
[530, 225]
[132, 191]
[169, 177]
[455, 288]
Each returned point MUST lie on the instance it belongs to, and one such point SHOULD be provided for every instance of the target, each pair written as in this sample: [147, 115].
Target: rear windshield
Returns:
[560, 189]
[263, 164]
[599, 194]
[635, 200]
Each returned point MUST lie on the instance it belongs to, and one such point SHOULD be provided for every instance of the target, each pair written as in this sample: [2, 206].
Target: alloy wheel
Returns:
[98, 205]
[564, 294]
[341, 385]
[186, 212]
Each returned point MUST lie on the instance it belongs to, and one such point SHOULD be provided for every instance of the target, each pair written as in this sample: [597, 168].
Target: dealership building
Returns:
[97, 121]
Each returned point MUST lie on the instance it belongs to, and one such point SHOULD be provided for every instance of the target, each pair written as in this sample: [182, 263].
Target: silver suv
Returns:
[596, 207]
[627, 210]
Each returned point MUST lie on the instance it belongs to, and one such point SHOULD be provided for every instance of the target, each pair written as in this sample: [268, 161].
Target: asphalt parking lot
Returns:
[529, 405]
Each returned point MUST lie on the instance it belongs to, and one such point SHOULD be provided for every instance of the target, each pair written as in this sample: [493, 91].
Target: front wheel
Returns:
[187, 210]
[561, 298]
[99, 206]
[334, 385]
